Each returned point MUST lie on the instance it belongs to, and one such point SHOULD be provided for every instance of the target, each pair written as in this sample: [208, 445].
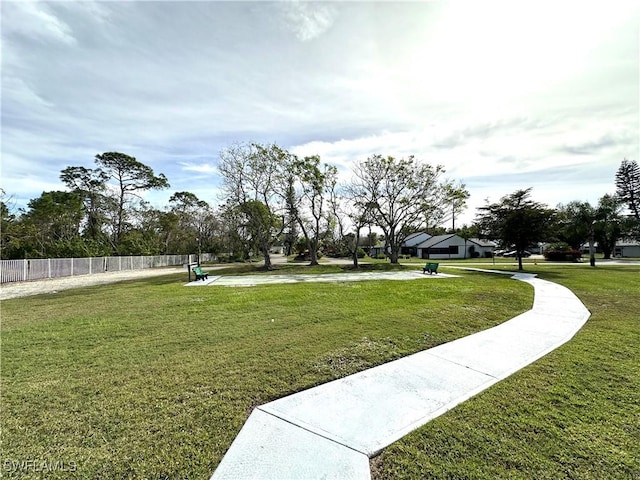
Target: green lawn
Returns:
[574, 414]
[149, 379]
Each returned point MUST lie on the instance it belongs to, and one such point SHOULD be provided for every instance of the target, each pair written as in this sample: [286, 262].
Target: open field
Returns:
[148, 379]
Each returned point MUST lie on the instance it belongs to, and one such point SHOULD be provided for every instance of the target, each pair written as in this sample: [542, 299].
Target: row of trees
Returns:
[271, 196]
[519, 222]
[274, 194]
[102, 213]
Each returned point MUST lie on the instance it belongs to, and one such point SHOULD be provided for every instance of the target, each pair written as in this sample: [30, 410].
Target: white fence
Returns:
[37, 269]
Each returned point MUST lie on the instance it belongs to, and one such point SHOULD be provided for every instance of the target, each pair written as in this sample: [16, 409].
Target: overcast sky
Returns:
[505, 95]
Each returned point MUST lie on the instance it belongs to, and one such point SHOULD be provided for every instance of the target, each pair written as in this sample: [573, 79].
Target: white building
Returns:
[410, 244]
[627, 248]
[444, 247]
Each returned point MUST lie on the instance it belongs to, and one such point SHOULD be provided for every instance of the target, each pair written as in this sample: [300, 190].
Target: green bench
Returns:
[200, 274]
[430, 267]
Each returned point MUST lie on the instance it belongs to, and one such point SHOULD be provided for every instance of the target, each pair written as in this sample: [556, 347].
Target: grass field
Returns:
[148, 379]
[574, 414]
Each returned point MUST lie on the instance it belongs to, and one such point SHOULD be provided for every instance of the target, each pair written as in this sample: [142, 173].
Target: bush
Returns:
[562, 255]
[345, 253]
[559, 247]
[381, 256]
[306, 256]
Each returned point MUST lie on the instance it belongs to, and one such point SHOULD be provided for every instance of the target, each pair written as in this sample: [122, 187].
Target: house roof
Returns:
[433, 241]
[483, 243]
[628, 243]
[414, 239]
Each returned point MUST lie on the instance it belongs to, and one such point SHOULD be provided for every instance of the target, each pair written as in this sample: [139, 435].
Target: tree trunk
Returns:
[313, 256]
[356, 241]
[313, 251]
[267, 257]
[607, 245]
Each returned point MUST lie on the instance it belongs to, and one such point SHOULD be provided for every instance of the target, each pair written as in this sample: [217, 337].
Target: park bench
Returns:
[200, 274]
[430, 267]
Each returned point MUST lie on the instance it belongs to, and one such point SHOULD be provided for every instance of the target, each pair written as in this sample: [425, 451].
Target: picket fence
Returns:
[40, 268]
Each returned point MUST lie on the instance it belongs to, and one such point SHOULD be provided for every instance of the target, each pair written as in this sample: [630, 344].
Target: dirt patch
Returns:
[54, 285]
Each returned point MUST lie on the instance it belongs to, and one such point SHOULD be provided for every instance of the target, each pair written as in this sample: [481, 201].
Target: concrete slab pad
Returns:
[370, 410]
[253, 280]
[203, 283]
[269, 449]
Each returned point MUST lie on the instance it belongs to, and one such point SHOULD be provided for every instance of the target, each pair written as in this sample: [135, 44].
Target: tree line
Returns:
[273, 197]
[518, 222]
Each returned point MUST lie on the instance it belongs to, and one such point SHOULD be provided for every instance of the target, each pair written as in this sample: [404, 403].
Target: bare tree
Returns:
[253, 174]
[316, 183]
[351, 215]
[399, 192]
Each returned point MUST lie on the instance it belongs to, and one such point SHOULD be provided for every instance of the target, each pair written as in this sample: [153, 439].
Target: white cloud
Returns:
[488, 53]
[504, 95]
[199, 168]
[33, 19]
[308, 20]
[22, 95]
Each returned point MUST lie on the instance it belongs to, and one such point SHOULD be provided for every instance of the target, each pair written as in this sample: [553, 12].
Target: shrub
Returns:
[306, 256]
[562, 255]
[559, 247]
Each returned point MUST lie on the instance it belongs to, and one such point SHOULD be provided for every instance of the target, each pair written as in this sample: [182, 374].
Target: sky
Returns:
[506, 95]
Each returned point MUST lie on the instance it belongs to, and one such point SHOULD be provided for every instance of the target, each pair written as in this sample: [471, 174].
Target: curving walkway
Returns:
[331, 431]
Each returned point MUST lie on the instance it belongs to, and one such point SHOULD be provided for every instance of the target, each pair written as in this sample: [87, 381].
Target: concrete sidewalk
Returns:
[330, 431]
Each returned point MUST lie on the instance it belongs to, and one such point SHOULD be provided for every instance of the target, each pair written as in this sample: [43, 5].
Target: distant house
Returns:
[623, 248]
[627, 248]
[376, 249]
[277, 249]
[482, 247]
[452, 246]
[409, 246]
